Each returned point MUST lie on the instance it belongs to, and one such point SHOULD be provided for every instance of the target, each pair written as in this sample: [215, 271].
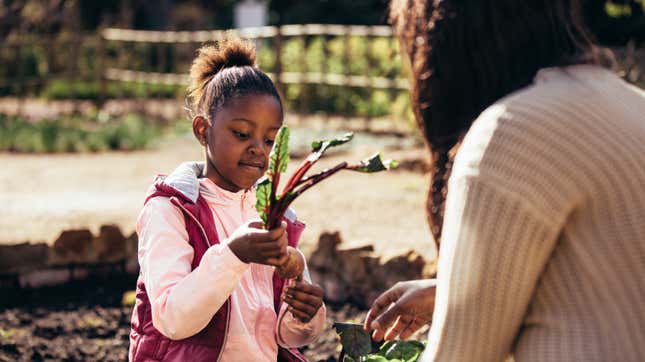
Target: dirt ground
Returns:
[41, 195]
[84, 323]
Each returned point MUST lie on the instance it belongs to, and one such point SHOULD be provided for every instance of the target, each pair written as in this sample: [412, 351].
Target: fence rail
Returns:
[129, 35]
[342, 69]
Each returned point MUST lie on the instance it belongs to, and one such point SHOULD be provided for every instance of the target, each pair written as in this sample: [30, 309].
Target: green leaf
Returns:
[355, 340]
[263, 198]
[407, 351]
[377, 358]
[375, 164]
[279, 157]
[322, 145]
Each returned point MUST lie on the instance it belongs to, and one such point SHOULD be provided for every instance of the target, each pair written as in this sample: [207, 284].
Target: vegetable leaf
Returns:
[355, 340]
[375, 164]
[279, 157]
[263, 197]
[322, 145]
[407, 351]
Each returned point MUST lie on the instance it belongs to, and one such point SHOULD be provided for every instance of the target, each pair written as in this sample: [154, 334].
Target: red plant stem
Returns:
[300, 172]
[278, 208]
[320, 176]
[356, 165]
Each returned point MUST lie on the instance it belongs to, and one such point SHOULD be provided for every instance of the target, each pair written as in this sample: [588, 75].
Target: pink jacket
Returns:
[148, 343]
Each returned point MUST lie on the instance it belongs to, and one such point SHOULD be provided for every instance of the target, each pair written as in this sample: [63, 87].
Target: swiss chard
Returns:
[272, 205]
[359, 346]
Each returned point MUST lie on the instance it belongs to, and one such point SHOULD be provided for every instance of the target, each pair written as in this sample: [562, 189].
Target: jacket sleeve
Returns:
[182, 301]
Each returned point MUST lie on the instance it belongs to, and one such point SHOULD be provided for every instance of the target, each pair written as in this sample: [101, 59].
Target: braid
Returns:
[435, 203]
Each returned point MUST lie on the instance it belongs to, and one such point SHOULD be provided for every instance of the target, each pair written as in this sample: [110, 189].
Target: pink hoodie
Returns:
[184, 300]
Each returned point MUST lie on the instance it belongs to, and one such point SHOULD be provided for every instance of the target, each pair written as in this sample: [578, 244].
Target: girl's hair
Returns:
[467, 54]
[225, 71]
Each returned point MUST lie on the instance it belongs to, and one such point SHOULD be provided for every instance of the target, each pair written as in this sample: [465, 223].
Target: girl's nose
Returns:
[257, 147]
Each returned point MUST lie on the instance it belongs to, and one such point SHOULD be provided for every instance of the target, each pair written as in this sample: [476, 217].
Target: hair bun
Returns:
[226, 53]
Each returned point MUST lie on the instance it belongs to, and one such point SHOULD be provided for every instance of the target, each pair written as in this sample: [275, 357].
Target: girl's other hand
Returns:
[252, 244]
[304, 299]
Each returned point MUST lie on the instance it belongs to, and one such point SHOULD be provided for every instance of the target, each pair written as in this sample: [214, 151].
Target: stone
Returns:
[23, 256]
[405, 266]
[72, 246]
[110, 245]
[325, 251]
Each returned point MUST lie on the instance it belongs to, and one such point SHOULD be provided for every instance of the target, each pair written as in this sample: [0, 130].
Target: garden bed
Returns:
[81, 322]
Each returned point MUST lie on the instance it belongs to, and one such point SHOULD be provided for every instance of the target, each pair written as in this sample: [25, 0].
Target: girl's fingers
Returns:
[275, 234]
[302, 316]
[305, 307]
[277, 261]
[311, 289]
[270, 247]
[273, 252]
[309, 299]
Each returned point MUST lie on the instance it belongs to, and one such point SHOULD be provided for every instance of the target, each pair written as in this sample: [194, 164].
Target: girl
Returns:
[207, 290]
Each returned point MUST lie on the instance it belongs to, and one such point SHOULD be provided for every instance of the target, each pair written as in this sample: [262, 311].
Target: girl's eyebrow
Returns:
[243, 120]
[252, 123]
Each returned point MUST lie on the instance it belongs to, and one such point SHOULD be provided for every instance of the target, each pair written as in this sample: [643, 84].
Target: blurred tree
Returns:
[616, 22]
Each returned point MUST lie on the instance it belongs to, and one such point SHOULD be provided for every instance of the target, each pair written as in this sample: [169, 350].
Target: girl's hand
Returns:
[304, 299]
[252, 244]
[402, 309]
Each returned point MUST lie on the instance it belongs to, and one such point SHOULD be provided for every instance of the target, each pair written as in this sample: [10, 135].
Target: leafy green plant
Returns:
[272, 205]
[75, 134]
[359, 346]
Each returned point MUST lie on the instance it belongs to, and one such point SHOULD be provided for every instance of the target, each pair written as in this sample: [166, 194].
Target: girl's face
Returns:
[239, 140]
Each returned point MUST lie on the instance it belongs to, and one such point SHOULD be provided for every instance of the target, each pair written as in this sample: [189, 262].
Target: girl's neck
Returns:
[211, 172]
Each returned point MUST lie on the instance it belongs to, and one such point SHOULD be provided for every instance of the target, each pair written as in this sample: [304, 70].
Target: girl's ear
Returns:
[200, 129]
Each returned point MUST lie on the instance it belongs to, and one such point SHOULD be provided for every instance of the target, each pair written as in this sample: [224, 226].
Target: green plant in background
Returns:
[76, 134]
[358, 346]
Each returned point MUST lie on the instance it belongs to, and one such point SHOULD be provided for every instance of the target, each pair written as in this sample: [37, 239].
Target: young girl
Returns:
[207, 290]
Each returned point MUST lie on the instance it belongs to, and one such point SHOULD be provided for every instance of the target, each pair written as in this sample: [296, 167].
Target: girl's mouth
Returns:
[253, 165]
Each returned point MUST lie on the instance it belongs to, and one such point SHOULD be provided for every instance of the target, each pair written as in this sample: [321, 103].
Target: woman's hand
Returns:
[252, 244]
[402, 309]
[304, 299]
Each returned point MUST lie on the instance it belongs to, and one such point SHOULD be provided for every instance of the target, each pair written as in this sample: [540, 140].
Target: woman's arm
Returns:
[183, 301]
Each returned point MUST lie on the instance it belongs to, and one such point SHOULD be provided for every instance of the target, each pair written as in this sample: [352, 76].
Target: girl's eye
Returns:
[241, 135]
[270, 142]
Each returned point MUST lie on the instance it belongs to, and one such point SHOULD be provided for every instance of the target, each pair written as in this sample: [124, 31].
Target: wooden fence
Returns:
[340, 65]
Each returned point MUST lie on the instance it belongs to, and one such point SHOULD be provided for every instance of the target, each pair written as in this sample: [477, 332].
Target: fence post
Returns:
[278, 63]
[370, 41]
[21, 78]
[101, 53]
[347, 56]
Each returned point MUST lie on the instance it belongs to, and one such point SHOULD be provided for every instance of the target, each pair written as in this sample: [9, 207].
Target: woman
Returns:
[543, 243]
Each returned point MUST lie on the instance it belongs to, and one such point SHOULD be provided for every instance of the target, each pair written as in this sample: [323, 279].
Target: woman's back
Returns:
[559, 169]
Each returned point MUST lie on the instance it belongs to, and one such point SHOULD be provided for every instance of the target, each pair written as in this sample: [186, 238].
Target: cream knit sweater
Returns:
[543, 248]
